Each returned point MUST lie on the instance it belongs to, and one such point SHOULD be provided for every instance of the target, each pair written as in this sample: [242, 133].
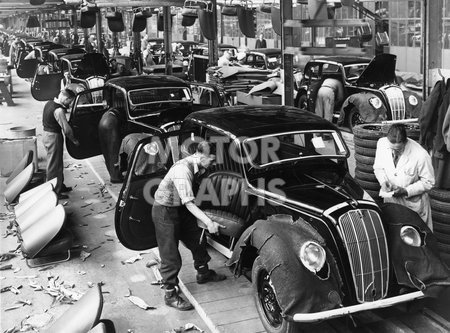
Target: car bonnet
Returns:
[381, 70]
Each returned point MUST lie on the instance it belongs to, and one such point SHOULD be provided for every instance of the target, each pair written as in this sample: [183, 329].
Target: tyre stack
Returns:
[365, 139]
[440, 211]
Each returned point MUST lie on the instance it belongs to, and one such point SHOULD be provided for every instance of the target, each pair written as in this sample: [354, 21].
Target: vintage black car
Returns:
[370, 89]
[103, 116]
[316, 245]
[263, 59]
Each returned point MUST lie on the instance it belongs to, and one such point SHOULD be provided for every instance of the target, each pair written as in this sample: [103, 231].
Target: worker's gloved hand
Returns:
[400, 192]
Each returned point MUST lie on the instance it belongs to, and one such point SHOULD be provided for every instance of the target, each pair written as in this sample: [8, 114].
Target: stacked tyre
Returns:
[440, 211]
[365, 138]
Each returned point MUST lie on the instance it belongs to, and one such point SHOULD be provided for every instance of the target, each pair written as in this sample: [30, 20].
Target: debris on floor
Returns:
[189, 327]
[138, 301]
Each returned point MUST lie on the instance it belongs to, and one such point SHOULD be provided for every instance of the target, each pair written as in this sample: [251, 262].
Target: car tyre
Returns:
[368, 131]
[368, 160]
[354, 118]
[266, 303]
[302, 102]
[364, 175]
[365, 143]
[369, 152]
[440, 206]
[368, 168]
[440, 194]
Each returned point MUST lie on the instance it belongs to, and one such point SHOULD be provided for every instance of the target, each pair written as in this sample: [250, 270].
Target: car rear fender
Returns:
[277, 241]
[361, 101]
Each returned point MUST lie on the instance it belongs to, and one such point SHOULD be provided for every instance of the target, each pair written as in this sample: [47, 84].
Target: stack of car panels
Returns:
[39, 219]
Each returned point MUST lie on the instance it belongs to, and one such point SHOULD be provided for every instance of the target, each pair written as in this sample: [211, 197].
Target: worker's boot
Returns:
[173, 299]
[204, 275]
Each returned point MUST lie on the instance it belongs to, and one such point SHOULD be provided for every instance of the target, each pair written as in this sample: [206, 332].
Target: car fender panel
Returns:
[361, 101]
[416, 267]
[412, 111]
[277, 241]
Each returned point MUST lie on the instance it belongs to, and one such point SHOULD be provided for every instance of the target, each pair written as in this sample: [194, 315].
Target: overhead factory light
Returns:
[37, 2]
[73, 2]
[33, 22]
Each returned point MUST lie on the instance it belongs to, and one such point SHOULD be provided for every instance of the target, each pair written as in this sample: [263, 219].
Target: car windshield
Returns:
[353, 72]
[291, 146]
[74, 64]
[151, 101]
[273, 61]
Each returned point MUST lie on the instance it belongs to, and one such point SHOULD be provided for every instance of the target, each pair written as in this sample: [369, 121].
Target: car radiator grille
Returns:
[365, 241]
[396, 102]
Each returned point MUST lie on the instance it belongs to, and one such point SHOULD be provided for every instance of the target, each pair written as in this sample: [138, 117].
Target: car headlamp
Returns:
[185, 63]
[312, 256]
[375, 102]
[410, 236]
[413, 100]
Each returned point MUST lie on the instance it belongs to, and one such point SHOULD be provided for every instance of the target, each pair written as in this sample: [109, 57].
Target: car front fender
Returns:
[368, 113]
[416, 267]
[277, 241]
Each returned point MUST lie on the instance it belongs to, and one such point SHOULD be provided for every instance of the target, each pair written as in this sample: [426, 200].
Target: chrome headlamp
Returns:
[375, 102]
[312, 256]
[410, 236]
[413, 100]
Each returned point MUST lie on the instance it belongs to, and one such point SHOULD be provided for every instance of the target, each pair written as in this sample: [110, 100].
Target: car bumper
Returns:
[340, 312]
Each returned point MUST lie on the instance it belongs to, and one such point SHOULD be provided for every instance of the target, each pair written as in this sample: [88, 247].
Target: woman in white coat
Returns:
[404, 170]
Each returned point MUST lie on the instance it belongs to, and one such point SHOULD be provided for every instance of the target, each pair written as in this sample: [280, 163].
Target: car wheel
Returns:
[266, 301]
[354, 118]
[302, 102]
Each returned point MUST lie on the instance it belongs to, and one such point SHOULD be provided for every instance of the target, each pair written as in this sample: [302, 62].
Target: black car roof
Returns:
[73, 56]
[252, 121]
[146, 81]
[344, 60]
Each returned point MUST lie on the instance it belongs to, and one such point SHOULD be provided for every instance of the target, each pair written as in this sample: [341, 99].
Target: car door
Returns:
[84, 120]
[150, 162]
[46, 84]
[206, 96]
[26, 67]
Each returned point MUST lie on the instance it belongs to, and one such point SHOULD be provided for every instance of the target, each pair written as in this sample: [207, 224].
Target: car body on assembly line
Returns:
[371, 93]
[316, 245]
[263, 59]
[102, 117]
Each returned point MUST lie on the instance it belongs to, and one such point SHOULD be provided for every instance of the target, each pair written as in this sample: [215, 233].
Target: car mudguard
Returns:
[278, 241]
[368, 113]
[412, 111]
[416, 267]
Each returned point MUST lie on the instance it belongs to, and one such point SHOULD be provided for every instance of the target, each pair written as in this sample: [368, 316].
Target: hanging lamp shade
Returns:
[37, 2]
[246, 19]
[33, 22]
[139, 22]
[115, 21]
[88, 16]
